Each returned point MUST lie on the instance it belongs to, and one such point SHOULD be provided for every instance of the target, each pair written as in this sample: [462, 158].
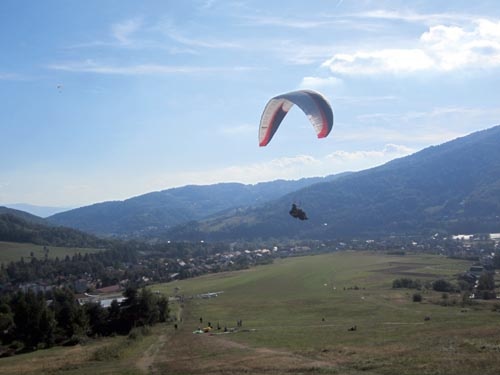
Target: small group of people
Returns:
[239, 323]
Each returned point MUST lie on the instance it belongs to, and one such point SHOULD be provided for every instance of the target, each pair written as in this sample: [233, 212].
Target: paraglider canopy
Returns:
[312, 103]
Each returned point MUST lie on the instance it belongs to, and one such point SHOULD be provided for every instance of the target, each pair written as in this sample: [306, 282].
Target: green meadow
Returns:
[14, 251]
[297, 317]
[306, 307]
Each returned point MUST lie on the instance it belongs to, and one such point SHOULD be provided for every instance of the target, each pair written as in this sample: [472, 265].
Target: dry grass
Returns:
[218, 354]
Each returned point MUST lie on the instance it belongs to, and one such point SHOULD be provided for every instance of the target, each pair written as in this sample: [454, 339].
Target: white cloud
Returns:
[282, 168]
[297, 53]
[123, 31]
[288, 22]
[441, 48]
[202, 42]
[135, 34]
[374, 157]
[126, 34]
[320, 82]
[386, 60]
[90, 66]
[290, 168]
[410, 16]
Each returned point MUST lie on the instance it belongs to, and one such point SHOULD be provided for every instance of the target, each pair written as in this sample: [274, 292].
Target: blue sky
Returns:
[104, 100]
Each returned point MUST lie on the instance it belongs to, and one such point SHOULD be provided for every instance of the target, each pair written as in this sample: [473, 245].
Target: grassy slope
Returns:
[285, 304]
[109, 356]
[13, 251]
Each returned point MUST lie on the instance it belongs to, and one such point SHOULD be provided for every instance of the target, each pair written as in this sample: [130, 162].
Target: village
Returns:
[109, 281]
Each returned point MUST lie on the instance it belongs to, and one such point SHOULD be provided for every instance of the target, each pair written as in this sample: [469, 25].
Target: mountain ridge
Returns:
[20, 226]
[452, 187]
[41, 211]
[157, 211]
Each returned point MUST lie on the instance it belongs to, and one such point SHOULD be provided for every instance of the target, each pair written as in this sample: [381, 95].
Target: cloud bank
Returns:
[294, 167]
[441, 48]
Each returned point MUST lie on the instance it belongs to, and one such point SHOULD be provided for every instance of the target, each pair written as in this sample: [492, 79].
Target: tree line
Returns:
[29, 321]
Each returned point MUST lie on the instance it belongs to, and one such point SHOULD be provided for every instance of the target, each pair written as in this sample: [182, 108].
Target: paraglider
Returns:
[298, 213]
[312, 103]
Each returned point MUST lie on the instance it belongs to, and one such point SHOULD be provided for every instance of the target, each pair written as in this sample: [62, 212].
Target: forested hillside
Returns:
[146, 215]
[16, 229]
[451, 188]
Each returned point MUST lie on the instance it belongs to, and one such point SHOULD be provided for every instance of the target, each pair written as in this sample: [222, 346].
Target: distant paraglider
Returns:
[298, 213]
[314, 105]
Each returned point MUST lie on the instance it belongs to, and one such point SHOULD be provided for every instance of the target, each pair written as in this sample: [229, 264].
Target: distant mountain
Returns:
[22, 214]
[19, 226]
[149, 214]
[42, 211]
[452, 188]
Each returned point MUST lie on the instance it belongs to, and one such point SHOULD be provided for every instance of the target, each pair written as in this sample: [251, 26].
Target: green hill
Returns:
[18, 226]
[147, 215]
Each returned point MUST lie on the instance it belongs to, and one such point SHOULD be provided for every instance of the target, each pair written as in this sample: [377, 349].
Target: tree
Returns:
[163, 308]
[98, 319]
[486, 281]
[34, 323]
[6, 322]
[114, 316]
[70, 316]
[486, 286]
[148, 311]
[442, 285]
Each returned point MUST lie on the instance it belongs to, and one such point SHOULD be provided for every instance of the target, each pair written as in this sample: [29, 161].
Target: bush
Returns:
[406, 283]
[442, 285]
[486, 294]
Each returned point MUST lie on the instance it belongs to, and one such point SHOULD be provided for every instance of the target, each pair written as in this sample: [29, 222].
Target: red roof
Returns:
[109, 289]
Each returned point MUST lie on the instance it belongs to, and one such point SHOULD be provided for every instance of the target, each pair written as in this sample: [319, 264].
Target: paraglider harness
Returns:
[297, 213]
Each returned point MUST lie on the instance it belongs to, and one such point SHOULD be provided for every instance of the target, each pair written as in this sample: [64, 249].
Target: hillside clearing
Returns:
[14, 251]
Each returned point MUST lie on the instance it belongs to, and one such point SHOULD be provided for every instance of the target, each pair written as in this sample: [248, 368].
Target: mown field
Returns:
[296, 315]
[13, 251]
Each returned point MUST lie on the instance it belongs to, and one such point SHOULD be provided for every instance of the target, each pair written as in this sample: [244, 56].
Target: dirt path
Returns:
[146, 362]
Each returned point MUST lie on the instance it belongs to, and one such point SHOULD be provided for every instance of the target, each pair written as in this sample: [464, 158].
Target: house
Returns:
[476, 270]
[109, 289]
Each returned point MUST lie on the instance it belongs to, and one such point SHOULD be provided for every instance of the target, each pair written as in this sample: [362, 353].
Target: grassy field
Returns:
[13, 251]
[296, 317]
[298, 313]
